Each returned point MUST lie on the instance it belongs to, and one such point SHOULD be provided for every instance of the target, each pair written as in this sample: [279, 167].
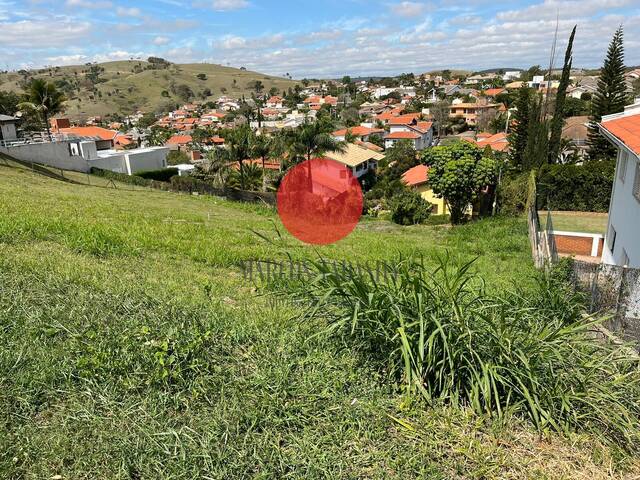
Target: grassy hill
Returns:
[131, 346]
[126, 86]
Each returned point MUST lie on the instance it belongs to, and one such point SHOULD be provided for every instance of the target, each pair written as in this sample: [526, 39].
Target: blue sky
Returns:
[323, 38]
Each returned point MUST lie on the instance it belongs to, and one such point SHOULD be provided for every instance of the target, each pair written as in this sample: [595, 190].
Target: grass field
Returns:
[132, 347]
[124, 90]
[585, 222]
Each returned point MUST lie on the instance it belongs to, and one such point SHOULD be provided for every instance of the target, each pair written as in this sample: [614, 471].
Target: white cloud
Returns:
[39, 33]
[227, 5]
[128, 12]
[161, 40]
[408, 9]
[88, 4]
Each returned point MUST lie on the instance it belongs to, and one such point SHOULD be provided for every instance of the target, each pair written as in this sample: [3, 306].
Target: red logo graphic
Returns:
[320, 201]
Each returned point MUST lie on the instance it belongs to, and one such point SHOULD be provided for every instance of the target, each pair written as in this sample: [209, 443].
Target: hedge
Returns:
[585, 188]
[121, 177]
[161, 175]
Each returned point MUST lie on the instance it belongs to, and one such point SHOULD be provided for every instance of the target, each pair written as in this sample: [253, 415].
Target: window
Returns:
[636, 183]
[611, 238]
[624, 156]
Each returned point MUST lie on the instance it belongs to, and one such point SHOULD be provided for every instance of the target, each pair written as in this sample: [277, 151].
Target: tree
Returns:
[261, 148]
[158, 136]
[176, 157]
[9, 103]
[440, 112]
[609, 98]
[409, 208]
[238, 142]
[147, 120]
[457, 173]
[520, 131]
[44, 98]
[312, 140]
[559, 114]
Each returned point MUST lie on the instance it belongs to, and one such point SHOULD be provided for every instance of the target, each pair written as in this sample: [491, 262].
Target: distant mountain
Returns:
[127, 86]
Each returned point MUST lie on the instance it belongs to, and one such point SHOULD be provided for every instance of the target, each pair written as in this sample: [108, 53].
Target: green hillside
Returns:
[126, 86]
[131, 346]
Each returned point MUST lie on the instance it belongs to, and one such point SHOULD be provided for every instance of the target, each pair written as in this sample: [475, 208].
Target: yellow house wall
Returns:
[429, 196]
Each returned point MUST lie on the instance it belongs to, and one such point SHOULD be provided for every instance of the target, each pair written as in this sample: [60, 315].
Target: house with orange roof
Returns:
[179, 142]
[409, 127]
[361, 132]
[105, 139]
[498, 142]
[493, 92]
[274, 102]
[418, 179]
[622, 240]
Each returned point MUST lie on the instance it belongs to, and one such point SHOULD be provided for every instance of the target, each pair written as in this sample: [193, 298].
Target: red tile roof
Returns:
[627, 130]
[497, 142]
[179, 140]
[99, 132]
[358, 131]
[403, 136]
[404, 119]
[416, 175]
[492, 92]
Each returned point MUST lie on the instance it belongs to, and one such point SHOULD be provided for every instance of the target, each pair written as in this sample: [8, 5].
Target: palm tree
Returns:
[312, 140]
[45, 98]
[261, 148]
[238, 143]
[216, 167]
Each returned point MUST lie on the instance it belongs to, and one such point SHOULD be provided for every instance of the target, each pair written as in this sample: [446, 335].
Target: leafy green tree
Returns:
[158, 136]
[250, 178]
[9, 103]
[559, 114]
[147, 120]
[609, 98]
[409, 208]
[176, 157]
[457, 173]
[44, 98]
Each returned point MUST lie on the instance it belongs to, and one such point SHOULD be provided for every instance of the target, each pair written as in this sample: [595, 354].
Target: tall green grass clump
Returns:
[443, 338]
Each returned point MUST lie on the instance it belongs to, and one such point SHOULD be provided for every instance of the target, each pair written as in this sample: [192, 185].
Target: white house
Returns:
[622, 243]
[420, 133]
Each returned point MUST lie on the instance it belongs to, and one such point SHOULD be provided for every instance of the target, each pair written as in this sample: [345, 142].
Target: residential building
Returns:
[472, 111]
[361, 132]
[497, 142]
[575, 130]
[511, 75]
[418, 132]
[418, 179]
[360, 159]
[622, 242]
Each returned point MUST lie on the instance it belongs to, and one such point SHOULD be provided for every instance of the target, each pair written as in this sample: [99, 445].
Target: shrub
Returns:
[442, 338]
[513, 193]
[409, 208]
[584, 187]
[176, 157]
[121, 177]
[162, 175]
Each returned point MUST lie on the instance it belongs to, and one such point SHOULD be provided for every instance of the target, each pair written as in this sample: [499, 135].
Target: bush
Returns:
[162, 175]
[121, 177]
[585, 188]
[442, 338]
[176, 157]
[409, 208]
[513, 193]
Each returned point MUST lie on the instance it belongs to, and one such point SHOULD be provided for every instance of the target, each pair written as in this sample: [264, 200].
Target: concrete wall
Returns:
[56, 154]
[153, 158]
[115, 163]
[8, 131]
[624, 215]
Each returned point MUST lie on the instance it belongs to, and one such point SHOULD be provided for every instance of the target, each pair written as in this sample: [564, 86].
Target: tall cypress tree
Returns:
[558, 116]
[610, 97]
[520, 131]
[537, 145]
